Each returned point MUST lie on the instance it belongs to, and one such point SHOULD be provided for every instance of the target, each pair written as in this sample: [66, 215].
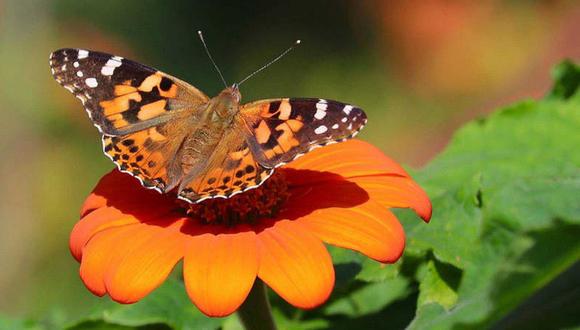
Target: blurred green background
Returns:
[419, 68]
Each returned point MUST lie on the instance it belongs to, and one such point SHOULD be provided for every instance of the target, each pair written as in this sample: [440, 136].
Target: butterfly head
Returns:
[236, 89]
[227, 103]
[232, 93]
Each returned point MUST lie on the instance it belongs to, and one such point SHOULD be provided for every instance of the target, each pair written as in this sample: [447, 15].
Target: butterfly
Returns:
[171, 136]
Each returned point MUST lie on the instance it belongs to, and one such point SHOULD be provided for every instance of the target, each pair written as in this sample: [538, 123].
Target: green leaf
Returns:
[100, 325]
[168, 305]
[283, 322]
[370, 298]
[434, 288]
[567, 77]
[455, 226]
[347, 265]
[374, 271]
[506, 199]
[526, 155]
[18, 324]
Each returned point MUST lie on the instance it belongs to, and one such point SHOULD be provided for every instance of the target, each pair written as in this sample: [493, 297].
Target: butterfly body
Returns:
[172, 137]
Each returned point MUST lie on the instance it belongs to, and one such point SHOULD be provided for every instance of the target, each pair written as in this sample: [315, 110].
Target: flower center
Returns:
[247, 207]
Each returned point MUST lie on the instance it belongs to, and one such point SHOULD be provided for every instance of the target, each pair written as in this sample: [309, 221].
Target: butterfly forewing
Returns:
[283, 129]
[121, 96]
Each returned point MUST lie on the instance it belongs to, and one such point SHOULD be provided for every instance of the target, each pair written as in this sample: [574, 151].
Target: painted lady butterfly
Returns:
[170, 135]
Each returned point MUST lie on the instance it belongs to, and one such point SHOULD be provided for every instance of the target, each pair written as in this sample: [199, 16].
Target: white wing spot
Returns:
[79, 74]
[107, 70]
[321, 108]
[63, 68]
[83, 54]
[335, 126]
[76, 64]
[322, 105]
[347, 109]
[91, 82]
[110, 66]
[344, 119]
[321, 129]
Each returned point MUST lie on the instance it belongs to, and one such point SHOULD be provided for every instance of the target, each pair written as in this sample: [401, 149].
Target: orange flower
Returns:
[129, 239]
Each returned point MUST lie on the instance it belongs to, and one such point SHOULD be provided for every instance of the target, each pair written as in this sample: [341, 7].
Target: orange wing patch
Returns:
[120, 103]
[134, 104]
[281, 140]
[166, 88]
[124, 88]
[152, 110]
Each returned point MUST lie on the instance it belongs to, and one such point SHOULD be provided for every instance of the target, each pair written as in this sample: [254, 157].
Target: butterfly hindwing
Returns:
[230, 173]
[121, 96]
[148, 155]
[283, 129]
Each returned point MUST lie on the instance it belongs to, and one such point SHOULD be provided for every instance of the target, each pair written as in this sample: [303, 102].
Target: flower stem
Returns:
[255, 313]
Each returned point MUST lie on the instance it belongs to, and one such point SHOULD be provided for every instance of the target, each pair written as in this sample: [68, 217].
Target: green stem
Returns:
[255, 313]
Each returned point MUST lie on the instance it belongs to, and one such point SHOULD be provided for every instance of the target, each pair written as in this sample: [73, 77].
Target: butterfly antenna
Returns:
[211, 58]
[270, 63]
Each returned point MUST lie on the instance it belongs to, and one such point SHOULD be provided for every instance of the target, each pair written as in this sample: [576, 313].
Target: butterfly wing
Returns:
[231, 169]
[122, 96]
[149, 155]
[282, 129]
[143, 114]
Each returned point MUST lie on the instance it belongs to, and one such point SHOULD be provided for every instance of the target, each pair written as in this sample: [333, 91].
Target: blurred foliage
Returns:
[168, 305]
[504, 222]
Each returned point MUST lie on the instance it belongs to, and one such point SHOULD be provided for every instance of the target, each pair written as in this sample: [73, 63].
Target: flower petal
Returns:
[348, 159]
[219, 270]
[95, 221]
[92, 203]
[306, 199]
[369, 228]
[396, 191]
[295, 264]
[361, 163]
[97, 255]
[125, 193]
[138, 260]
